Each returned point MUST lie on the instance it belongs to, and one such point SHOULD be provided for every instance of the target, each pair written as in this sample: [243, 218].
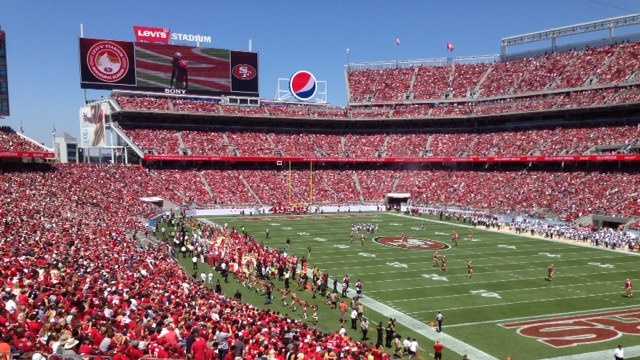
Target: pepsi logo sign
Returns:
[244, 72]
[107, 61]
[303, 85]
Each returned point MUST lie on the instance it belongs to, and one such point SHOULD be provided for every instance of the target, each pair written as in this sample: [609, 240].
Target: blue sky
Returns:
[289, 35]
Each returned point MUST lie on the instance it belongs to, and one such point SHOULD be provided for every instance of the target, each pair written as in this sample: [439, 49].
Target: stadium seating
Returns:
[569, 195]
[508, 105]
[76, 276]
[10, 141]
[608, 65]
[552, 141]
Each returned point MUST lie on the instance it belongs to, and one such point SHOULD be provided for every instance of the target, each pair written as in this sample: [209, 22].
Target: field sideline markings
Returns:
[547, 316]
[421, 328]
[600, 355]
[515, 302]
[569, 242]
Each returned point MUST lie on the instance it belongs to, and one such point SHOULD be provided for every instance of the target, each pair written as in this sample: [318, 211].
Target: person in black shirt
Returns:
[379, 334]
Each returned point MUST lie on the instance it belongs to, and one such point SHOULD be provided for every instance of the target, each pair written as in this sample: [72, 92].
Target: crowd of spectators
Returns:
[11, 141]
[76, 282]
[568, 195]
[255, 143]
[609, 65]
[585, 98]
[605, 237]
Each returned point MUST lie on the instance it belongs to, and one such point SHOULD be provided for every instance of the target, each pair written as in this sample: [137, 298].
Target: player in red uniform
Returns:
[628, 288]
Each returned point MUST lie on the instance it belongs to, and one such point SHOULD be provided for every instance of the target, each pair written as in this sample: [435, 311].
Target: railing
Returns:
[390, 64]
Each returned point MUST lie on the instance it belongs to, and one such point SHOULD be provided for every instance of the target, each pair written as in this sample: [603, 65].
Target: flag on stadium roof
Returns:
[450, 46]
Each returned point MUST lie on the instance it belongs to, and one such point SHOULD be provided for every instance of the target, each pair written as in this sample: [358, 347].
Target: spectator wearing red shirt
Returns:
[437, 350]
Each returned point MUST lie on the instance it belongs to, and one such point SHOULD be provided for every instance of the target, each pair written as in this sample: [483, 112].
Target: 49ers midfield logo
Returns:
[571, 331]
[107, 61]
[244, 72]
[411, 243]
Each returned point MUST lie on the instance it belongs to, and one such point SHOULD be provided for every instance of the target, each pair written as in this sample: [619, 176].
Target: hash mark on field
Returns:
[303, 233]
[549, 255]
[394, 224]
[341, 246]
[287, 228]
[605, 266]
[367, 254]
[485, 293]
[441, 233]
[398, 265]
[435, 277]
[507, 246]
[320, 239]
[274, 224]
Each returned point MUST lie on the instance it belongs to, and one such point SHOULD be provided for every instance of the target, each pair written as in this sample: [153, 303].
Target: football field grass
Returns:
[506, 309]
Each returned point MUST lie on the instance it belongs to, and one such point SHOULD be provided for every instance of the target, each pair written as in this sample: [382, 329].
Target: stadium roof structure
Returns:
[582, 28]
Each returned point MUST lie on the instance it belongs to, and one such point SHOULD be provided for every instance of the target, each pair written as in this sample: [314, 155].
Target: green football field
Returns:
[506, 309]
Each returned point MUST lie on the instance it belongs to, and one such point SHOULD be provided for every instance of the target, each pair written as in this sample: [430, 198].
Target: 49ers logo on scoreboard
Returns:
[244, 72]
[107, 61]
[563, 332]
[411, 243]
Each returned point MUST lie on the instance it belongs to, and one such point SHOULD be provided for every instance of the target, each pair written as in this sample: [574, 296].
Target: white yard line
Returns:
[428, 263]
[487, 282]
[546, 316]
[600, 355]
[477, 274]
[498, 291]
[419, 327]
[515, 302]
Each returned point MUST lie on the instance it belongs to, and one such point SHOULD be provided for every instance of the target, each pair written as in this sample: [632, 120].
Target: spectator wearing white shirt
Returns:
[618, 354]
[413, 348]
[354, 318]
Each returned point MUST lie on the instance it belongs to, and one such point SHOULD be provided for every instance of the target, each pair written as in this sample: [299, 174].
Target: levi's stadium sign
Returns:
[155, 35]
[152, 35]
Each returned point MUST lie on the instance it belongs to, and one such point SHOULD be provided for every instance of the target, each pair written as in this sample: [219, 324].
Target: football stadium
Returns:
[457, 207]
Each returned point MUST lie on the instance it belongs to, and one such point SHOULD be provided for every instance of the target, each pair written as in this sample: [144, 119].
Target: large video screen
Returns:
[4, 83]
[107, 64]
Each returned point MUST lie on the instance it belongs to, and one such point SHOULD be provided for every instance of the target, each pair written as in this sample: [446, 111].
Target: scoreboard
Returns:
[172, 69]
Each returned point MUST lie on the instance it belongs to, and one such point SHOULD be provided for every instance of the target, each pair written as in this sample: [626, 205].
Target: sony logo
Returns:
[175, 91]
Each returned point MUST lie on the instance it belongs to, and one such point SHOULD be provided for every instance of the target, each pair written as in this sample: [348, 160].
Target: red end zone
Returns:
[569, 331]
[411, 243]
